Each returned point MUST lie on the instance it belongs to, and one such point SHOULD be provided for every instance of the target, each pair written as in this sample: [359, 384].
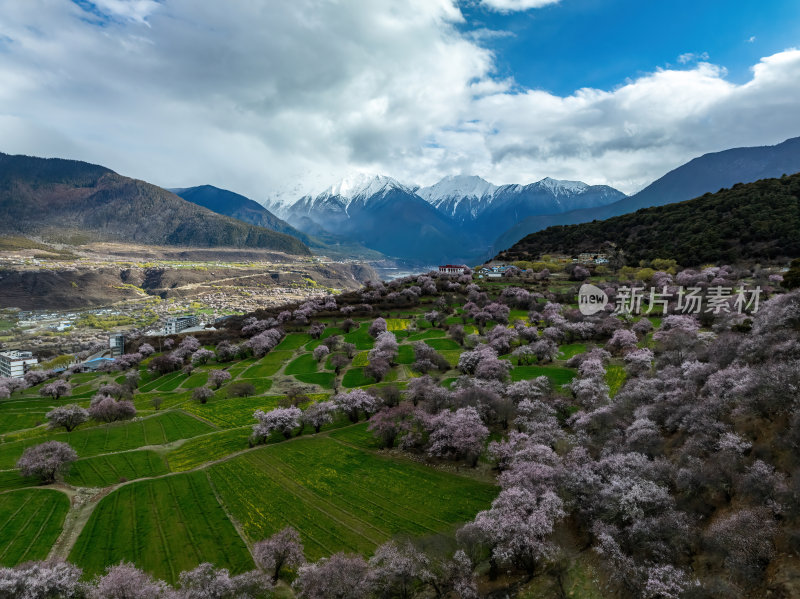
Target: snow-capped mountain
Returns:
[551, 196]
[382, 214]
[462, 197]
[460, 216]
[357, 187]
[362, 186]
[486, 209]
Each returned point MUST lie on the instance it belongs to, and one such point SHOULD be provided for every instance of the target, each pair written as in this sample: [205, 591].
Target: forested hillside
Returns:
[753, 221]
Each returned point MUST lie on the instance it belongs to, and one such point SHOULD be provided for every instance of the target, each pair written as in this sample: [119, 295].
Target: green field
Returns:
[162, 380]
[293, 341]
[105, 470]
[164, 526]
[30, 522]
[323, 379]
[268, 365]
[568, 350]
[615, 377]
[14, 421]
[342, 498]
[429, 334]
[200, 450]
[304, 364]
[443, 344]
[196, 379]
[360, 337]
[357, 435]
[557, 375]
[355, 377]
[232, 412]
[155, 430]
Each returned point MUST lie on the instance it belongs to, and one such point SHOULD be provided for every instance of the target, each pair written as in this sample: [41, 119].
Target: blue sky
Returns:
[601, 43]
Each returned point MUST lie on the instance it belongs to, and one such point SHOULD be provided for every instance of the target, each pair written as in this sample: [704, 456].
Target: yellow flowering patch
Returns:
[397, 324]
[361, 360]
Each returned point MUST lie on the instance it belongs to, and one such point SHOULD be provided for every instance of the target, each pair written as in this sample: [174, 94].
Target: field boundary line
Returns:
[167, 552]
[22, 529]
[201, 419]
[331, 507]
[383, 508]
[237, 526]
[35, 538]
[227, 474]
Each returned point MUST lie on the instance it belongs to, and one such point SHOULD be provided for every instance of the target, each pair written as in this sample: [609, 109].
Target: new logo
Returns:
[591, 299]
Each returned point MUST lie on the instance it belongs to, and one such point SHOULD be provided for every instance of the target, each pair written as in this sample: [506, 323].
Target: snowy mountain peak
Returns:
[362, 185]
[559, 187]
[457, 187]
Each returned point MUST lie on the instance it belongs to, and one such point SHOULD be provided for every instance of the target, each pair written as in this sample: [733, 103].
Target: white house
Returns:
[453, 269]
[16, 363]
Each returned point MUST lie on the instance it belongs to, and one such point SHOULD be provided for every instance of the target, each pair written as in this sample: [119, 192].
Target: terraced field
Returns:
[231, 412]
[201, 450]
[30, 522]
[181, 484]
[155, 430]
[340, 497]
[106, 470]
[164, 526]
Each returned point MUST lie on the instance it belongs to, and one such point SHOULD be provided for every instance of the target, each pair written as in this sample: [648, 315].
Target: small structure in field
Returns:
[453, 269]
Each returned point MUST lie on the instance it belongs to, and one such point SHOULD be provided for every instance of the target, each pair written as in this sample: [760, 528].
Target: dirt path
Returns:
[84, 500]
[82, 504]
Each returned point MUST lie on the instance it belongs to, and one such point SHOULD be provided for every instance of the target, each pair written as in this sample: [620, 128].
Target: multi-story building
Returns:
[117, 344]
[16, 363]
[176, 325]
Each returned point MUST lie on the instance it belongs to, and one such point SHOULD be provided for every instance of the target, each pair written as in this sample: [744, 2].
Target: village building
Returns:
[591, 258]
[16, 363]
[453, 269]
[117, 344]
[176, 325]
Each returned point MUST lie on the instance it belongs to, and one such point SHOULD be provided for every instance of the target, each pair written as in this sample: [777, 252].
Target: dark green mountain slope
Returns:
[66, 197]
[238, 206]
[750, 221]
[703, 174]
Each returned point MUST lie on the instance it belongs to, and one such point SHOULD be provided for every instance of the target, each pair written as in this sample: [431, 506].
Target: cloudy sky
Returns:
[278, 97]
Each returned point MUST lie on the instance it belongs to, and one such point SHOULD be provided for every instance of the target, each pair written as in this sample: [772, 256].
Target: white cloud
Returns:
[260, 98]
[629, 136]
[516, 5]
[134, 10]
[692, 57]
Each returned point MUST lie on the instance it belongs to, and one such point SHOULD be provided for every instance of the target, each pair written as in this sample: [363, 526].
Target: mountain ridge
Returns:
[230, 203]
[54, 196]
[457, 218]
[749, 221]
[706, 173]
